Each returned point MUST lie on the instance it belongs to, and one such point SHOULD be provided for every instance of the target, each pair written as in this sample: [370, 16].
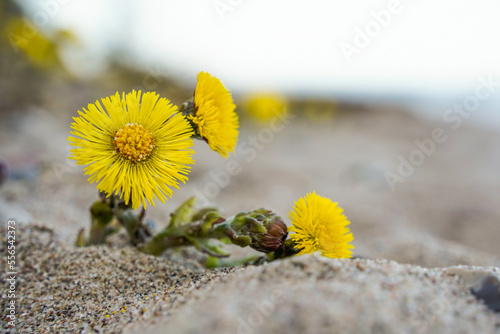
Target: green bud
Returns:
[101, 213]
[261, 229]
[101, 216]
[183, 214]
[275, 235]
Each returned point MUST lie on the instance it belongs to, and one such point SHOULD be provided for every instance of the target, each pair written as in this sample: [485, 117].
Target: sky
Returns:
[427, 48]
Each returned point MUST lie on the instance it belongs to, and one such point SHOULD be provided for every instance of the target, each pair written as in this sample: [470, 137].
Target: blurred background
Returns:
[390, 108]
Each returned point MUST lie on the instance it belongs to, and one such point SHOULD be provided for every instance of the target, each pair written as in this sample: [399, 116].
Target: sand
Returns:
[445, 214]
[313, 294]
[94, 289]
[114, 290]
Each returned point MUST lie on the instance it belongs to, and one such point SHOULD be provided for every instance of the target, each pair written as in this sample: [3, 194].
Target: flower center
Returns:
[134, 142]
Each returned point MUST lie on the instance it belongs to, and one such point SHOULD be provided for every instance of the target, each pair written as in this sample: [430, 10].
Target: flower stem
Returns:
[158, 244]
[101, 217]
[206, 229]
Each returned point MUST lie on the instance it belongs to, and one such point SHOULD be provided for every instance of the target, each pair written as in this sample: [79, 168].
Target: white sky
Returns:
[429, 46]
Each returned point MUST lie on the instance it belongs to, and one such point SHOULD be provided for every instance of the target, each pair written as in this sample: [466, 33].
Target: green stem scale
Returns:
[207, 229]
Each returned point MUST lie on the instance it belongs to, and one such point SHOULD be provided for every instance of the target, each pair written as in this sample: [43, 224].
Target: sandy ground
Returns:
[446, 213]
[114, 290]
[452, 195]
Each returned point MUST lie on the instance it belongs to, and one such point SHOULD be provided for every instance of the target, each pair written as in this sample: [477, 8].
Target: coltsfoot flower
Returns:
[211, 112]
[266, 107]
[40, 49]
[320, 225]
[135, 147]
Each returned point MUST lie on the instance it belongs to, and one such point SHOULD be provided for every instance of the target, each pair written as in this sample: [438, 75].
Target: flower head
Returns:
[136, 147]
[38, 48]
[213, 116]
[266, 107]
[320, 225]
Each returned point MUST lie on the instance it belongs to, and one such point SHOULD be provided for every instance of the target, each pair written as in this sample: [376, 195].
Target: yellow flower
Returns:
[265, 107]
[320, 225]
[135, 147]
[39, 48]
[213, 115]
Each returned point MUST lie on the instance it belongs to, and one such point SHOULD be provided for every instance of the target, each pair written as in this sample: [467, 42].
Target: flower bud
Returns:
[263, 230]
[274, 237]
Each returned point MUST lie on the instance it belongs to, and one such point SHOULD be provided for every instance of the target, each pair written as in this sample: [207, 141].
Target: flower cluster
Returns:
[137, 145]
[137, 148]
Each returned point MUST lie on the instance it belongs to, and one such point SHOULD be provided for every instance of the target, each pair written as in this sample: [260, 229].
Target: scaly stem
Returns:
[159, 244]
[171, 237]
[101, 217]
